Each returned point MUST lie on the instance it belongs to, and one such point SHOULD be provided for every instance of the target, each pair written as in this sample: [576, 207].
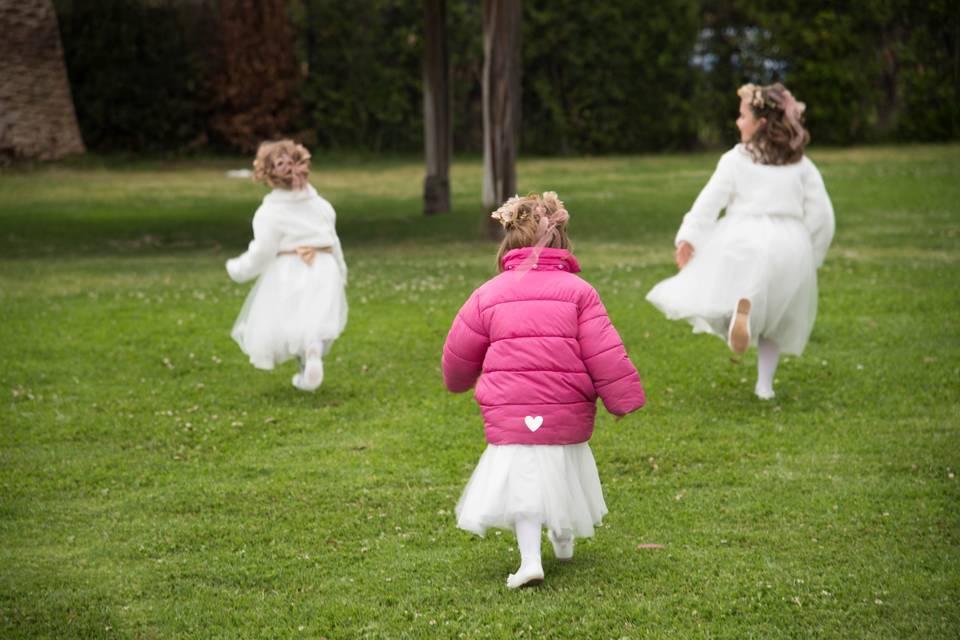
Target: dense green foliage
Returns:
[608, 76]
[363, 88]
[876, 69]
[154, 485]
[135, 72]
[597, 77]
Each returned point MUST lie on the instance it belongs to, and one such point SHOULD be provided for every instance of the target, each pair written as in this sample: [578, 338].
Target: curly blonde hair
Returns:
[782, 137]
[535, 219]
[282, 164]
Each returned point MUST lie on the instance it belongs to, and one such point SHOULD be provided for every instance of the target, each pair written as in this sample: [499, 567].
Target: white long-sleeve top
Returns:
[287, 220]
[747, 188]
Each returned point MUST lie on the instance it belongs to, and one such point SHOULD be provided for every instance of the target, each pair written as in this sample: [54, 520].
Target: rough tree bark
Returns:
[501, 98]
[437, 117]
[37, 117]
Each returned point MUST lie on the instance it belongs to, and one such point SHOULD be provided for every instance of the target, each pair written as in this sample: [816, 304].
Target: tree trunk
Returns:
[37, 118]
[891, 102]
[501, 99]
[437, 97]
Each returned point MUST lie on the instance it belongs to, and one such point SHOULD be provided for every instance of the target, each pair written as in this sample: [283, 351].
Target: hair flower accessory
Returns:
[296, 171]
[756, 97]
[781, 137]
[550, 214]
[507, 212]
[283, 164]
[793, 112]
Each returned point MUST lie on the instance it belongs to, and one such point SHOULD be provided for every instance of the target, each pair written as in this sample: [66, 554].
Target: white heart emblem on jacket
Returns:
[533, 423]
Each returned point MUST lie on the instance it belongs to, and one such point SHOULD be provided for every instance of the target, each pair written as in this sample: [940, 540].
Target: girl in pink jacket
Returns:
[536, 343]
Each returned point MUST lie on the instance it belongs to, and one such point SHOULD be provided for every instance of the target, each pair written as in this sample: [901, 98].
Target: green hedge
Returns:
[597, 77]
[134, 71]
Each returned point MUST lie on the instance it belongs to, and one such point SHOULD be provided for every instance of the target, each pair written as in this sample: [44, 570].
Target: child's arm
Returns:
[614, 376]
[341, 263]
[262, 249]
[465, 348]
[337, 249]
[715, 196]
[817, 212]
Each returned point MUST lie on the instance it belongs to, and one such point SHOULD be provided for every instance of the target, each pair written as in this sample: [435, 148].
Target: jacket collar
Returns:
[286, 195]
[559, 259]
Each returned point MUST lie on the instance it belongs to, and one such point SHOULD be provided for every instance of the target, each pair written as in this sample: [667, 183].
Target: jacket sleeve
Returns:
[465, 348]
[614, 376]
[817, 212]
[341, 263]
[698, 223]
[262, 249]
[330, 216]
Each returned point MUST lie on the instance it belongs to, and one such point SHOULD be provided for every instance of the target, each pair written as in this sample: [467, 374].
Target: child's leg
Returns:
[768, 356]
[528, 540]
[562, 544]
[311, 375]
[738, 335]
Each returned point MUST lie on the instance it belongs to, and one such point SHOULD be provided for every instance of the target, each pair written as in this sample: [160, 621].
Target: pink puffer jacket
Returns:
[545, 348]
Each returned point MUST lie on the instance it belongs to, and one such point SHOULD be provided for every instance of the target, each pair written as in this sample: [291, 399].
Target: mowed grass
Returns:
[154, 485]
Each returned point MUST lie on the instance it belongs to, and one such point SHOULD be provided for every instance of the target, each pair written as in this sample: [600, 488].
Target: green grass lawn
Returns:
[154, 485]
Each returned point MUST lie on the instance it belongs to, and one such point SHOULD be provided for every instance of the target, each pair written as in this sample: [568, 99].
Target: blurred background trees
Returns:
[597, 77]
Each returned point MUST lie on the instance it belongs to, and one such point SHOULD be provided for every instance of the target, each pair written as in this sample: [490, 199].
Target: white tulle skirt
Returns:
[292, 306]
[766, 259]
[557, 484]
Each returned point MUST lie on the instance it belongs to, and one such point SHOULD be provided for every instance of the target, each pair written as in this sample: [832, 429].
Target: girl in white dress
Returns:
[298, 306]
[750, 277]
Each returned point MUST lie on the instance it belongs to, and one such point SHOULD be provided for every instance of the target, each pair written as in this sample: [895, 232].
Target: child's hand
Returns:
[684, 253]
[233, 270]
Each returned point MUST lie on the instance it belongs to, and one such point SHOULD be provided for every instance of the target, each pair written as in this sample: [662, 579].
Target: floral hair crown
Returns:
[773, 97]
[756, 97]
[508, 211]
[548, 208]
[283, 164]
[777, 97]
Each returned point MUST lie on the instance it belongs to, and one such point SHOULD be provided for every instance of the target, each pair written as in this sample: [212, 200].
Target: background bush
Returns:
[135, 72]
[597, 78]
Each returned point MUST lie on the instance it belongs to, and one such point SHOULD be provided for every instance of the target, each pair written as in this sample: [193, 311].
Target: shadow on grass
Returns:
[113, 231]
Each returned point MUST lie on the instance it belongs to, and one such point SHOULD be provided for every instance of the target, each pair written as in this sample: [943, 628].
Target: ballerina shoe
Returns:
[312, 376]
[526, 576]
[764, 394]
[562, 547]
[299, 383]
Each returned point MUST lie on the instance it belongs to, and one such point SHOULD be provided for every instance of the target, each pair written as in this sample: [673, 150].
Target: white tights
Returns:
[768, 356]
[528, 539]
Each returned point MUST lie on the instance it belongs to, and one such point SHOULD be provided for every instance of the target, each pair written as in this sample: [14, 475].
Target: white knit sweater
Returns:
[746, 188]
[287, 220]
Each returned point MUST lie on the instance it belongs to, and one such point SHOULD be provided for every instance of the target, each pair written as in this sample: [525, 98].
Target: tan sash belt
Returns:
[307, 254]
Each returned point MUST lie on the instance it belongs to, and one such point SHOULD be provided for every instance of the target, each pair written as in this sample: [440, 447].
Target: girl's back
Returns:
[540, 348]
[546, 348]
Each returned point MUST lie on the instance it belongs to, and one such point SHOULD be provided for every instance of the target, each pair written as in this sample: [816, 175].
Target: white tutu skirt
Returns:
[557, 484]
[766, 259]
[292, 306]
